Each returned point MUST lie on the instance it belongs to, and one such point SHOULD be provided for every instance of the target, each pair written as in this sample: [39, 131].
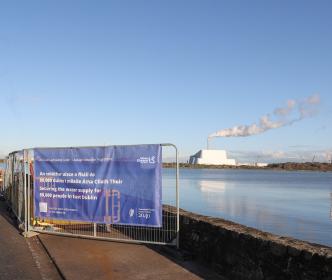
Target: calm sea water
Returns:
[296, 204]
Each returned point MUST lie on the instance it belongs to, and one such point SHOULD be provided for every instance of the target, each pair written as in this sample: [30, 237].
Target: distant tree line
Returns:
[312, 166]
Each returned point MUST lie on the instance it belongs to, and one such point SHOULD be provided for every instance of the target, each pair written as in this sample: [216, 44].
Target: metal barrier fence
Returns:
[20, 193]
[14, 184]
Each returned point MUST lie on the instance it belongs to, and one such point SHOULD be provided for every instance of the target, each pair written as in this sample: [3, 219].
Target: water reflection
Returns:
[221, 201]
[331, 206]
[297, 204]
[212, 186]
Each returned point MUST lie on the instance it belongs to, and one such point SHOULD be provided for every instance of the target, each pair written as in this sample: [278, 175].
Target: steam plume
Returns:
[294, 111]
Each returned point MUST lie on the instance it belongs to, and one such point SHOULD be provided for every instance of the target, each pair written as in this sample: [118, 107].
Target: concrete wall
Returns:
[240, 252]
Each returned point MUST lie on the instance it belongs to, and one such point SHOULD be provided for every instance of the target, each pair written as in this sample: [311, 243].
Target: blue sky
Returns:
[78, 73]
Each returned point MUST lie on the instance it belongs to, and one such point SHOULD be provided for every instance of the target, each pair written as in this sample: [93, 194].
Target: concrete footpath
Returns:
[22, 258]
[92, 259]
[57, 257]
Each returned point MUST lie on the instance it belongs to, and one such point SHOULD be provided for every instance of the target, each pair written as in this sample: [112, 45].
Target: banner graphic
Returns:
[111, 185]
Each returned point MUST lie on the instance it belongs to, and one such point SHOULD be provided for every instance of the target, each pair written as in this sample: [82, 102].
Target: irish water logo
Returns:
[147, 160]
[131, 212]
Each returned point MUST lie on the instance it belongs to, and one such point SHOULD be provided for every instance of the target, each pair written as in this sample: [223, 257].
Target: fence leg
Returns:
[25, 162]
[27, 233]
[177, 202]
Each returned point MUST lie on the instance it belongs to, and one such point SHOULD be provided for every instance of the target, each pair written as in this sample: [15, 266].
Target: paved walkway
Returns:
[92, 259]
[51, 257]
[22, 258]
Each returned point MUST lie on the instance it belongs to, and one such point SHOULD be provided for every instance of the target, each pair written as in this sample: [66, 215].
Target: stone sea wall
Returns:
[240, 252]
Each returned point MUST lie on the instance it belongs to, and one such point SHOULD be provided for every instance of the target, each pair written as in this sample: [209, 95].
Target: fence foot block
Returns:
[29, 234]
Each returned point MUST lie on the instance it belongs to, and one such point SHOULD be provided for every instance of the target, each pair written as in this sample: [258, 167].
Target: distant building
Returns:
[215, 157]
[261, 164]
[253, 164]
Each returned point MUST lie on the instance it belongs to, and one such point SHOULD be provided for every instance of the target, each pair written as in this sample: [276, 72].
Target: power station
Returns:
[214, 157]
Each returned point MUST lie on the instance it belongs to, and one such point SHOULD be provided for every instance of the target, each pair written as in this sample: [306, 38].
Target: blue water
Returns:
[296, 204]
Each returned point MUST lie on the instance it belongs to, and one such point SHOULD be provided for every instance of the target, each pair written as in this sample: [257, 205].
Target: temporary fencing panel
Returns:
[14, 184]
[112, 193]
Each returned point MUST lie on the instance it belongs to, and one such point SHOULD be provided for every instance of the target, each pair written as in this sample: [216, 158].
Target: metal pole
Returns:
[12, 185]
[29, 191]
[25, 193]
[94, 229]
[177, 194]
[177, 201]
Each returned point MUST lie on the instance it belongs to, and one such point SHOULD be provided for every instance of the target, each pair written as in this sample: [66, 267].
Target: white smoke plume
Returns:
[294, 111]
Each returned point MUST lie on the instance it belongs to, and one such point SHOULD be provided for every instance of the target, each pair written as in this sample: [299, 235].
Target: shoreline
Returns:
[287, 166]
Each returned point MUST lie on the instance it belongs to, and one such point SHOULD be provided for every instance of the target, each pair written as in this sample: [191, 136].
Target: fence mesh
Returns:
[13, 184]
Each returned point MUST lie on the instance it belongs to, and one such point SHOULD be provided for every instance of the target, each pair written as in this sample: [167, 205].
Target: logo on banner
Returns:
[131, 212]
[147, 160]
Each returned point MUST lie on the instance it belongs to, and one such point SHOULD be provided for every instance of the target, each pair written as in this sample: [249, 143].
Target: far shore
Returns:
[287, 166]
